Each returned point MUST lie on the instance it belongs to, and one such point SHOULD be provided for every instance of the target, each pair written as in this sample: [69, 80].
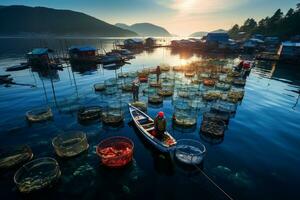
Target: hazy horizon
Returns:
[180, 17]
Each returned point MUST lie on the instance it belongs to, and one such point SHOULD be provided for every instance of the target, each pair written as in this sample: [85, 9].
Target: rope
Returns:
[215, 184]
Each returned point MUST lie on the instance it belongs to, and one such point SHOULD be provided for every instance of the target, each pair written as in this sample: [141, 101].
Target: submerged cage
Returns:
[183, 115]
[164, 67]
[110, 82]
[114, 113]
[115, 152]
[190, 152]
[12, 156]
[214, 128]
[239, 82]
[155, 99]
[154, 83]
[123, 75]
[99, 87]
[209, 82]
[89, 113]
[37, 174]
[189, 74]
[212, 116]
[235, 95]
[127, 87]
[70, 144]
[39, 114]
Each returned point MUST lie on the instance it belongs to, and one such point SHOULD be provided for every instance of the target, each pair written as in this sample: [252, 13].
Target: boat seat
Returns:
[150, 129]
[151, 123]
[140, 117]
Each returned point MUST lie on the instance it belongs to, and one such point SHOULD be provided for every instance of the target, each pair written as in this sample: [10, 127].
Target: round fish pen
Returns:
[110, 82]
[224, 106]
[13, 156]
[212, 116]
[89, 113]
[99, 87]
[178, 68]
[190, 152]
[114, 113]
[234, 74]
[155, 84]
[111, 90]
[213, 128]
[209, 82]
[223, 86]
[155, 99]
[140, 105]
[127, 87]
[149, 90]
[39, 114]
[70, 144]
[211, 95]
[235, 95]
[226, 79]
[123, 75]
[183, 91]
[164, 67]
[189, 74]
[37, 174]
[165, 91]
[183, 115]
[115, 152]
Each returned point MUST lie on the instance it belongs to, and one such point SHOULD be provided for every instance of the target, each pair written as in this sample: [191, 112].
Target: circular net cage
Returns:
[114, 113]
[155, 99]
[211, 95]
[115, 152]
[154, 83]
[198, 104]
[140, 105]
[37, 174]
[89, 113]
[99, 87]
[213, 116]
[225, 69]
[39, 114]
[222, 86]
[164, 67]
[13, 156]
[133, 74]
[183, 91]
[70, 144]
[209, 82]
[165, 91]
[224, 106]
[235, 95]
[127, 87]
[149, 90]
[184, 118]
[123, 75]
[178, 68]
[213, 128]
[190, 74]
[190, 152]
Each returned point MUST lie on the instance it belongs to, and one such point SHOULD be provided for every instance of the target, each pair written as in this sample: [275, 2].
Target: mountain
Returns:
[199, 34]
[146, 29]
[23, 20]
[219, 31]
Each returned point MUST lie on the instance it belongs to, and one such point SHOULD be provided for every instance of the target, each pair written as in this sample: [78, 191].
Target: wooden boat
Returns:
[145, 124]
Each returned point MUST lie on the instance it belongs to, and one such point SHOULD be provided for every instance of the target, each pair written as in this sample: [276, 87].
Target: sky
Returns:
[180, 17]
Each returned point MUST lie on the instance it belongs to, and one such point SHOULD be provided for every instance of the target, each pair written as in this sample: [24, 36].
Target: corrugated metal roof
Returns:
[82, 48]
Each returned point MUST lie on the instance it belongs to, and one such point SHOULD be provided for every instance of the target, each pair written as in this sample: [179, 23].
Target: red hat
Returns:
[161, 114]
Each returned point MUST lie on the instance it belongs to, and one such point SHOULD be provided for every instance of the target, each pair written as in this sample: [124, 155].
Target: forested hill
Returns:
[280, 24]
[23, 20]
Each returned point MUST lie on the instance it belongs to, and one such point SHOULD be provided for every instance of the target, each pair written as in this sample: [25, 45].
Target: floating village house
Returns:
[133, 43]
[40, 57]
[218, 40]
[289, 52]
[150, 42]
[83, 54]
[185, 44]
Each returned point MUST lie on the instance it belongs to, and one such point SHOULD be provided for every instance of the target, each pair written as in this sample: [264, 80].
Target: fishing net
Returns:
[213, 116]
[114, 113]
[12, 156]
[154, 83]
[123, 75]
[149, 90]
[37, 174]
[224, 106]
[209, 82]
[89, 113]
[184, 119]
[189, 74]
[70, 144]
[239, 82]
[39, 114]
[178, 68]
[223, 86]
[189, 151]
[115, 152]
[164, 67]
[127, 87]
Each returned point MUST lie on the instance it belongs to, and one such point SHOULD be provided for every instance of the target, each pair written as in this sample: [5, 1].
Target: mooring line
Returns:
[215, 184]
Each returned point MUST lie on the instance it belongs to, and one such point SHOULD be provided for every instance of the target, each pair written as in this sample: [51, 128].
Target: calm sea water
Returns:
[258, 158]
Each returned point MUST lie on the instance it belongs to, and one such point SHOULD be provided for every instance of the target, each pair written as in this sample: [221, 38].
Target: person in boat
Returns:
[135, 90]
[160, 124]
[158, 72]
